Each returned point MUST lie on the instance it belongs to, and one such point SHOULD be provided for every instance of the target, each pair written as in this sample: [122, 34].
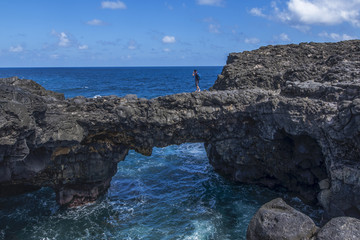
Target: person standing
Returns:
[196, 75]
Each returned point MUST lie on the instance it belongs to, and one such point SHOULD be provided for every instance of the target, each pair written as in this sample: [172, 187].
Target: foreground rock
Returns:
[340, 228]
[277, 116]
[276, 220]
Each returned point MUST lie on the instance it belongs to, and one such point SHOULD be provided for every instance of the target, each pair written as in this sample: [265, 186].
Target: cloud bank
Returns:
[16, 49]
[252, 40]
[217, 3]
[336, 36]
[328, 12]
[95, 22]
[113, 5]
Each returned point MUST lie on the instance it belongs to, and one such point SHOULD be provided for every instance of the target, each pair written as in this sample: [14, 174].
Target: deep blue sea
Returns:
[173, 194]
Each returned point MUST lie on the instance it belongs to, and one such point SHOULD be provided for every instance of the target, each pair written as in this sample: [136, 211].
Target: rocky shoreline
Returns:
[276, 220]
[284, 116]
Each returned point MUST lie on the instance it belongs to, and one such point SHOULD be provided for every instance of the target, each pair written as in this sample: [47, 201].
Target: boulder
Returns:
[340, 228]
[276, 220]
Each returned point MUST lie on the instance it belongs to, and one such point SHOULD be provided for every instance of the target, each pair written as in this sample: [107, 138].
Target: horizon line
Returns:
[119, 66]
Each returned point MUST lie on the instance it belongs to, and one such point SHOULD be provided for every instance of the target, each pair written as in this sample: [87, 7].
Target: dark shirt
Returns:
[196, 77]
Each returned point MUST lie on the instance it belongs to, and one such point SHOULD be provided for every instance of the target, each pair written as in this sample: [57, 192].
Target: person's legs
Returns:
[197, 85]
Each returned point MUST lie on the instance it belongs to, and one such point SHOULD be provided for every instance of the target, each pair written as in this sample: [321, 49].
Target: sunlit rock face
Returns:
[277, 116]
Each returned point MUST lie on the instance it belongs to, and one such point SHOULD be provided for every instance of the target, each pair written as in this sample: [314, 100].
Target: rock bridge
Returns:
[266, 121]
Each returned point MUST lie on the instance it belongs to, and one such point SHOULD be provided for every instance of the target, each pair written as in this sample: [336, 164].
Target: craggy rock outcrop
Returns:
[276, 220]
[278, 116]
[307, 137]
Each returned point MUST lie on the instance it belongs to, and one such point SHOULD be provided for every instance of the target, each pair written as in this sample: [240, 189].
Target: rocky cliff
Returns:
[307, 138]
[278, 116]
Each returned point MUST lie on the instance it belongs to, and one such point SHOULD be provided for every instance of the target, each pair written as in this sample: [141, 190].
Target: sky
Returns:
[81, 33]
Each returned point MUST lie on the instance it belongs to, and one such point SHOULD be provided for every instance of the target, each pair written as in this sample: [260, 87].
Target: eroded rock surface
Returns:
[340, 228]
[74, 145]
[309, 133]
[276, 220]
[278, 116]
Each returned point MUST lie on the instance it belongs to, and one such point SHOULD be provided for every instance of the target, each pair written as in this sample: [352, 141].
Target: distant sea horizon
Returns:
[146, 82]
[165, 66]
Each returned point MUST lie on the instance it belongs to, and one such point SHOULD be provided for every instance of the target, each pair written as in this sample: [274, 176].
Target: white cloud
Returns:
[127, 57]
[167, 50]
[284, 37]
[96, 22]
[302, 28]
[16, 49]
[63, 40]
[329, 12]
[252, 40]
[257, 12]
[113, 5]
[132, 45]
[211, 2]
[214, 28]
[336, 36]
[169, 39]
[83, 47]
[54, 56]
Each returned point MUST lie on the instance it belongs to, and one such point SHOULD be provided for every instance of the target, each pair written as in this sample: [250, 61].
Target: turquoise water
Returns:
[173, 194]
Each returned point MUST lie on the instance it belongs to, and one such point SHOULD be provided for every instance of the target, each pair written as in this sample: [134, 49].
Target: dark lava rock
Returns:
[340, 228]
[278, 116]
[287, 66]
[306, 132]
[276, 220]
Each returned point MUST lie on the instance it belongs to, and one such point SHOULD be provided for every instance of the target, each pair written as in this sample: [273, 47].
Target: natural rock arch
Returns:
[304, 97]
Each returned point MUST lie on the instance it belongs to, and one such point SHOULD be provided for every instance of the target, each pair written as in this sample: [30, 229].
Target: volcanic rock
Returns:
[278, 116]
[340, 228]
[276, 220]
[307, 133]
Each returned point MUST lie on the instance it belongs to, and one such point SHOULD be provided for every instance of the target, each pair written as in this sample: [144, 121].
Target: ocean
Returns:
[173, 194]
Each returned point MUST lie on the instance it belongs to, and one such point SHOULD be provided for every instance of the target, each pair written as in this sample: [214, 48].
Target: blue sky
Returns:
[50, 33]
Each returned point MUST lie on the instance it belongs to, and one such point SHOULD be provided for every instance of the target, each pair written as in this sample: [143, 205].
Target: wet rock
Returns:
[276, 220]
[340, 228]
[324, 184]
